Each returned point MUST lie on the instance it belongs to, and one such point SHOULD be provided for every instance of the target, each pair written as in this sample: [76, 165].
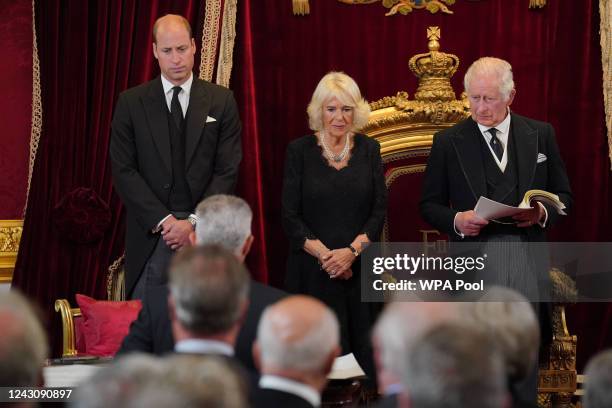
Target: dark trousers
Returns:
[155, 271]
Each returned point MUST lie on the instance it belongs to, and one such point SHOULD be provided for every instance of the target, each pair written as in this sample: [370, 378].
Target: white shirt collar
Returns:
[203, 346]
[503, 131]
[186, 86]
[302, 390]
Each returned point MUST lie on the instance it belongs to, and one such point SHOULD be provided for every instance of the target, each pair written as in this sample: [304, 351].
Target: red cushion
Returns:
[106, 323]
[79, 335]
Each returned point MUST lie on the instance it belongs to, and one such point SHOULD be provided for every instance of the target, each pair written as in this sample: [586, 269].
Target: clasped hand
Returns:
[176, 232]
[337, 263]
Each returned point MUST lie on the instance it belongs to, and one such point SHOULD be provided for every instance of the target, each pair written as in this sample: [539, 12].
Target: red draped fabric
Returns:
[90, 51]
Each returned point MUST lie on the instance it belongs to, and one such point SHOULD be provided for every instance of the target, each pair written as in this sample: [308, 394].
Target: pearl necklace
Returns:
[330, 155]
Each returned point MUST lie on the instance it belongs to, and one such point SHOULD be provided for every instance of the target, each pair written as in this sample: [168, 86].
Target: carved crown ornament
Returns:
[404, 7]
[399, 122]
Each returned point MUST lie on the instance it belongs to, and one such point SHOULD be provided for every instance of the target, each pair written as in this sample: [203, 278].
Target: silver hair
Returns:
[511, 322]
[343, 87]
[23, 344]
[491, 66]
[307, 354]
[401, 324]
[209, 287]
[139, 380]
[224, 220]
[117, 384]
[598, 386]
[454, 366]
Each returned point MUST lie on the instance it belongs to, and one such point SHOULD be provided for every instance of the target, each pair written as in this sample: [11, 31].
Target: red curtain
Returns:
[555, 54]
[89, 53]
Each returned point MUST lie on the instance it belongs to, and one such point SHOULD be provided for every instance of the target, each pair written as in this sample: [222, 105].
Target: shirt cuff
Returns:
[461, 234]
[543, 223]
[158, 227]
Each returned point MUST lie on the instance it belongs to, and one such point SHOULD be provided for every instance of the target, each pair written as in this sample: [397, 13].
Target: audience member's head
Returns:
[23, 343]
[208, 293]
[598, 387]
[398, 327]
[454, 366]
[180, 381]
[225, 220]
[297, 338]
[511, 322]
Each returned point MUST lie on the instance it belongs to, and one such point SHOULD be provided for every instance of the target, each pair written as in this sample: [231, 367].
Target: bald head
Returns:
[171, 22]
[297, 333]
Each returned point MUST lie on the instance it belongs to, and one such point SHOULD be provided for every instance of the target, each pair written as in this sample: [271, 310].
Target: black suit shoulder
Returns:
[267, 398]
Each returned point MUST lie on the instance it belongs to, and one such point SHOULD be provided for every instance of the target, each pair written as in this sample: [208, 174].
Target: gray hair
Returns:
[223, 220]
[209, 287]
[455, 366]
[139, 380]
[403, 323]
[117, 384]
[23, 344]
[490, 66]
[306, 354]
[343, 87]
[511, 322]
[598, 386]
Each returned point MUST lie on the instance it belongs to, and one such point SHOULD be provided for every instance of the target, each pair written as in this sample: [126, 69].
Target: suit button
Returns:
[166, 186]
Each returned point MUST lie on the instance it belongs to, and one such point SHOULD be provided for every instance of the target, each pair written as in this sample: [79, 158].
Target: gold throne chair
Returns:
[404, 128]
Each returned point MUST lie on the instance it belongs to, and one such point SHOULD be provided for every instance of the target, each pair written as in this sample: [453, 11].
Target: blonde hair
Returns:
[491, 66]
[343, 87]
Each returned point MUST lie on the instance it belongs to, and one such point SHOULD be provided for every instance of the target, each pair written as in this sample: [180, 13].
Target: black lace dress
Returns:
[334, 206]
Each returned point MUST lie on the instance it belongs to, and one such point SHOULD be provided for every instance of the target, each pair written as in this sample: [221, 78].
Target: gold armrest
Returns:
[68, 332]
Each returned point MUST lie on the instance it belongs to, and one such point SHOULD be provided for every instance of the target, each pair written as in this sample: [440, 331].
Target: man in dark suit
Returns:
[224, 220]
[297, 343]
[174, 141]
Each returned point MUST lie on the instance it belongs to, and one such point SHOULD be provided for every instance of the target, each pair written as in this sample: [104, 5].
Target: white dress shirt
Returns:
[503, 131]
[203, 346]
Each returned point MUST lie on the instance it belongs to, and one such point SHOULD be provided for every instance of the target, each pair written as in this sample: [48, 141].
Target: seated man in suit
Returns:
[224, 220]
[598, 386]
[208, 300]
[297, 342]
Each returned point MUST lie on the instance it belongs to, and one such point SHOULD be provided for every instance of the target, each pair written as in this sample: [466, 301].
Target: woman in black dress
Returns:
[334, 203]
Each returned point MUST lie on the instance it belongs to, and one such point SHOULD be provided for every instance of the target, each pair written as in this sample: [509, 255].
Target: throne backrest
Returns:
[404, 128]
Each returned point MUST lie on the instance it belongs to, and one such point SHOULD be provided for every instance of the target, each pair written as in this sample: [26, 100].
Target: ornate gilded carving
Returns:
[406, 6]
[399, 122]
[10, 236]
[537, 3]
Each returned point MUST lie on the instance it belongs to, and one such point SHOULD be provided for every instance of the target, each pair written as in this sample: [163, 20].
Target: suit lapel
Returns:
[467, 146]
[526, 143]
[199, 106]
[156, 110]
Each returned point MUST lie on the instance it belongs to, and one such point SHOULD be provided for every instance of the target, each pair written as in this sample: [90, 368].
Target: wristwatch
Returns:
[193, 220]
[354, 251]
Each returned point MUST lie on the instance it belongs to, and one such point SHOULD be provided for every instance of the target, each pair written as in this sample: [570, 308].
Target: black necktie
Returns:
[496, 145]
[175, 108]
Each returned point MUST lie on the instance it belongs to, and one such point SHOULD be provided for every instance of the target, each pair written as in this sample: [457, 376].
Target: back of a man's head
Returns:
[181, 380]
[511, 322]
[455, 366]
[223, 220]
[598, 386]
[23, 343]
[298, 334]
[398, 327]
[208, 289]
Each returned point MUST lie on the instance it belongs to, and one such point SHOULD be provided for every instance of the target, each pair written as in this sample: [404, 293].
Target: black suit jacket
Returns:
[141, 158]
[268, 398]
[455, 176]
[151, 332]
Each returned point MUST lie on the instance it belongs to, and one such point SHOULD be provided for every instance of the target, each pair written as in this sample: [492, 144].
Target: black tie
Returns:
[175, 108]
[496, 145]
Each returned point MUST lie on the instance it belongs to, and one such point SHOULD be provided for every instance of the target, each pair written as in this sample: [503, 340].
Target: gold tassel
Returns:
[537, 3]
[301, 7]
